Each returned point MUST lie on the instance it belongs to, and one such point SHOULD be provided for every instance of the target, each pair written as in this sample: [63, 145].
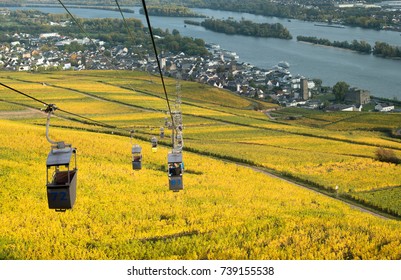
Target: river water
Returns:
[382, 77]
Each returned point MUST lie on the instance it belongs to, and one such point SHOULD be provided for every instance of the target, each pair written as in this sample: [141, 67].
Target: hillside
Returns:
[226, 210]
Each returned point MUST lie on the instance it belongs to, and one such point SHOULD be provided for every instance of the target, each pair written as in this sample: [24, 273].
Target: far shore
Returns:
[324, 46]
[109, 8]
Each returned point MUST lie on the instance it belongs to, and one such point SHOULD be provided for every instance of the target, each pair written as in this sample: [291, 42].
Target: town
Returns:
[26, 52]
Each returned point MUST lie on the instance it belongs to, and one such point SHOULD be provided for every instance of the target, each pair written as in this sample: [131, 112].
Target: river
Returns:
[382, 77]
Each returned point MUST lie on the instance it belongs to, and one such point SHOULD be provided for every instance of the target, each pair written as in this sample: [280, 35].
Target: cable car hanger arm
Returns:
[49, 110]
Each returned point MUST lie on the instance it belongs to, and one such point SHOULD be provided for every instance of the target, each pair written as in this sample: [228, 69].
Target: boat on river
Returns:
[330, 25]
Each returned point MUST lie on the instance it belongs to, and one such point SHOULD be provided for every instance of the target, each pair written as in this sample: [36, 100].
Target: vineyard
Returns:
[226, 210]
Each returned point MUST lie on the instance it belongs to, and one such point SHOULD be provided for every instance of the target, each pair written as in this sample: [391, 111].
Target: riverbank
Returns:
[35, 6]
[386, 100]
[329, 25]
[361, 47]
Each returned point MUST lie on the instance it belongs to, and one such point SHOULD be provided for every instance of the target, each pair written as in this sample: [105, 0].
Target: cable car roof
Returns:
[136, 149]
[174, 157]
[58, 157]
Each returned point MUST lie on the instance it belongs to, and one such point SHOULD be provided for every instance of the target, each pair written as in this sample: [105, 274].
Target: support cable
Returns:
[24, 94]
[77, 22]
[153, 43]
[125, 21]
[64, 111]
[100, 51]
[157, 59]
[83, 30]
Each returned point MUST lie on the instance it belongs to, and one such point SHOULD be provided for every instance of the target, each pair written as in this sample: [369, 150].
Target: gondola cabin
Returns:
[175, 171]
[154, 144]
[136, 157]
[61, 180]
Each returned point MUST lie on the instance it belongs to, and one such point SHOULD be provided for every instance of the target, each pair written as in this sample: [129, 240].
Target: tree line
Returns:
[385, 50]
[192, 22]
[170, 11]
[359, 46]
[380, 49]
[365, 22]
[321, 11]
[247, 28]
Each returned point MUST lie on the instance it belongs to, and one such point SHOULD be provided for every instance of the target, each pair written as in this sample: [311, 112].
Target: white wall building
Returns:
[381, 107]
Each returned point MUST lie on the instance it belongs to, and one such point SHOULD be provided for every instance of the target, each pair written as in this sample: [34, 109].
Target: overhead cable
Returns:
[77, 22]
[83, 30]
[24, 94]
[157, 59]
[61, 110]
[125, 21]
[87, 35]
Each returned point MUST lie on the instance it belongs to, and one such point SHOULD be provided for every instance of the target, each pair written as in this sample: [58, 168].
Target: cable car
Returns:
[175, 171]
[62, 183]
[61, 187]
[154, 144]
[136, 157]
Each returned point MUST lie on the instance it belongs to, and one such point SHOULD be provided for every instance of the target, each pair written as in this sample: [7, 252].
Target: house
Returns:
[295, 103]
[384, 107]
[5, 12]
[312, 105]
[344, 108]
[15, 43]
[67, 66]
[26, 55]
[48, 35]
[24, 68]
[358, 96]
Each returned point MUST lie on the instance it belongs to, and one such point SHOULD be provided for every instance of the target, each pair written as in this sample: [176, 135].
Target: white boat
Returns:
[284, 64]
[213, 46]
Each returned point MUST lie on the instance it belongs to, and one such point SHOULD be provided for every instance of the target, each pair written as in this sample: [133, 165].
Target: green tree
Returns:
[176, 32]
[318, 84]
[340, 89]
[74, 47]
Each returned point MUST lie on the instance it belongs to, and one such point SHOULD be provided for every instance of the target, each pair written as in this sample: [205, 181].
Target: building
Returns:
[344, 108]
[49, 35]
[384, 107]
[4, 12]
[357, 96]
[304, 89]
